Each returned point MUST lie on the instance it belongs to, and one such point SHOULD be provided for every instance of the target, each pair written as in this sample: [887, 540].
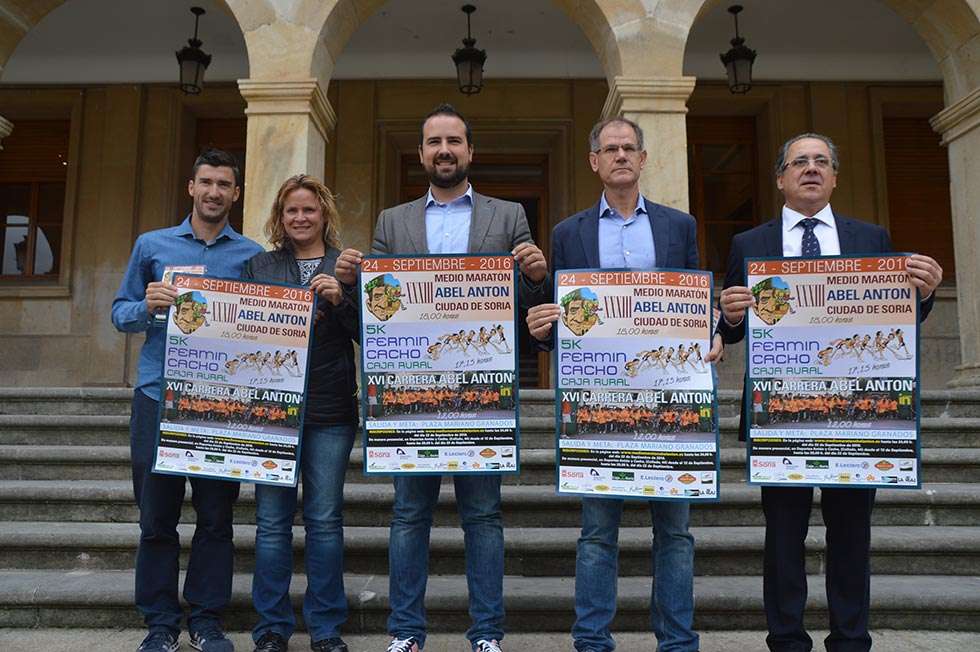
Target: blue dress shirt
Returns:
[447, 226]
[153, 251]
[625, 241]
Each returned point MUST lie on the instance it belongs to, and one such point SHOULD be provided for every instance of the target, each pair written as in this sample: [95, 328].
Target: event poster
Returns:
[832, 390]
[234, 380]
[637, 409]
[439, 364]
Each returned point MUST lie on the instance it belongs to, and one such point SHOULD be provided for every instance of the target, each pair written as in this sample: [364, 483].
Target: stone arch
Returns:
[317, 33]
[18, 17]
[950, 28]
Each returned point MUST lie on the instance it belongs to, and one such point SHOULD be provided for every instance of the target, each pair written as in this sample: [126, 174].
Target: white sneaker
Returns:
[484, 645]
[403, 645]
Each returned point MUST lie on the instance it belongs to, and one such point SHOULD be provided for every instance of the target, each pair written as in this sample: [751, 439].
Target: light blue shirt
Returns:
[625, 241]
[447, 226]
[171, 247]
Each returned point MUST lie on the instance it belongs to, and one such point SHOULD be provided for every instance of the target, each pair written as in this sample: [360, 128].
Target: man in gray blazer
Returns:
[450, 219]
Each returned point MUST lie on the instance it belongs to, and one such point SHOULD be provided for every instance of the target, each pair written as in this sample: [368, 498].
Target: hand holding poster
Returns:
[833, 389]
[638, 409]
[234, 376]
[439, 364]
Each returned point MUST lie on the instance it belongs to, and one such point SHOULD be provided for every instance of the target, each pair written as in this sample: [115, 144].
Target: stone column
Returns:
[289, 123]
[6, 127]
[958, 124]
[659, 106]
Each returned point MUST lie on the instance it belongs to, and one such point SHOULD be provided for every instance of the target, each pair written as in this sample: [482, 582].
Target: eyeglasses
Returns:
[803, 162]
[613, 150]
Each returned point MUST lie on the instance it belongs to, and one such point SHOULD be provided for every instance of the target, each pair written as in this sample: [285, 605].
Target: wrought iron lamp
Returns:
[469, 61]
[738, 60]
[193, 60]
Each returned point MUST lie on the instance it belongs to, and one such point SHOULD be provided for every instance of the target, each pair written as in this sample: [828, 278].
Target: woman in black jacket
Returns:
[303, 229]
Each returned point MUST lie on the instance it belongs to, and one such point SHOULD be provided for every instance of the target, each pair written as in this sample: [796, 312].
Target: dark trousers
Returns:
[207, 586]
[847, 515]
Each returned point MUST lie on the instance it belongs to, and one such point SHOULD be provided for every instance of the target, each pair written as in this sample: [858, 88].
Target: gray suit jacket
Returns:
[497, 226]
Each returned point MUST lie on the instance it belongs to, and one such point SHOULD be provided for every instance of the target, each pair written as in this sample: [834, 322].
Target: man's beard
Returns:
[209, 216]
[452, 180]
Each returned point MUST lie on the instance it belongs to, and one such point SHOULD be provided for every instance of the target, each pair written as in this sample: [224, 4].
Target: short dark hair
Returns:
[446, 109]
[784, 150]
[218, 158]
[602, 124]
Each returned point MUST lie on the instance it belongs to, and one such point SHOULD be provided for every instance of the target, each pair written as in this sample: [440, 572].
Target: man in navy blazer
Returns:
[625, 230]
[806, 173]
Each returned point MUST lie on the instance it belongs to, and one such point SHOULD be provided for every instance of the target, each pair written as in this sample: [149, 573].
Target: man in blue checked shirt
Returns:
[204, 240]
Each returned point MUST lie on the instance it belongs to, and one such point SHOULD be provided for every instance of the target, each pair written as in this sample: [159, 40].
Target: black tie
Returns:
[811, 246]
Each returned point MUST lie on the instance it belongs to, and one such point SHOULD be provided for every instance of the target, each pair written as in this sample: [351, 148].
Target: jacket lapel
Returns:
[483, 210]
[773, 236]
[660, 226]
[415, 225]
[846, 236]
[589, 231]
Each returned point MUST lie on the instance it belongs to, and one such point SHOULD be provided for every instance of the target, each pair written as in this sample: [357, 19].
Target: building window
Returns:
[33, 172]
[723, 169]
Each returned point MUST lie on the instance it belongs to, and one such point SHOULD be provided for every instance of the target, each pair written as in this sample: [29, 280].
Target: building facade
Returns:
[89, 162]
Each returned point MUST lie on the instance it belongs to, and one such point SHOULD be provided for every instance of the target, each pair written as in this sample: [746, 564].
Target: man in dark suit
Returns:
[806, 173]
[625, 230]
[450, 219]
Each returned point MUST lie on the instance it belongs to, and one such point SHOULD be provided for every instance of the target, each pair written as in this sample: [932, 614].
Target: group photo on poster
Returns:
[234, 375]
[833, 372]
[637, 409]
[439, 364]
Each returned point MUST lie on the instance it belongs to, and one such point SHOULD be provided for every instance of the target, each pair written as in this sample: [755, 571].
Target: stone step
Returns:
[536, 431]
[534, 402]
[126, 640]
[530, 551]
[66, 400]
[97, 599]
[28, 462]
[523, 505]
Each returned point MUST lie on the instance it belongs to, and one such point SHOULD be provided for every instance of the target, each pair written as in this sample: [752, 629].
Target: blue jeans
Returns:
[597, 567]
[478, 501]
[207, 587]
[324, 453]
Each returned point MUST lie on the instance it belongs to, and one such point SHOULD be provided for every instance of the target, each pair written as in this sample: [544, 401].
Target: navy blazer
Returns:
[575, 242]
[766, 241]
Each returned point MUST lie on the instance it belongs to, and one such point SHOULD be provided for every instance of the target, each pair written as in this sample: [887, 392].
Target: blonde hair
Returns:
[274, 229]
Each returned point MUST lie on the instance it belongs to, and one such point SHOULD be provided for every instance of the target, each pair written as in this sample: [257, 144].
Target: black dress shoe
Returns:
[271, 642]
[329, 645]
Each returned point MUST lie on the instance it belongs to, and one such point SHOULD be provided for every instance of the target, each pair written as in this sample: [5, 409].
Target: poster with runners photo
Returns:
[832, 364]
[439, 364]
[637, 406]
[234, 375]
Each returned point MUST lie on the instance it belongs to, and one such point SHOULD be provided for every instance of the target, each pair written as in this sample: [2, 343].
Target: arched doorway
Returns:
[101, 145]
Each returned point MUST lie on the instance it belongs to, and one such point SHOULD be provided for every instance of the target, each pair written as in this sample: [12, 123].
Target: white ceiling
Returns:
[91, 41]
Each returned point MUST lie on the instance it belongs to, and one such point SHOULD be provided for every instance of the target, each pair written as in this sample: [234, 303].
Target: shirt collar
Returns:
[185, 229]
[605, 210]
[429, 199]
[792, 218]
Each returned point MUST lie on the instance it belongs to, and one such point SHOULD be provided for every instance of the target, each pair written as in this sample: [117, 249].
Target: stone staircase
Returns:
[68, 530]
